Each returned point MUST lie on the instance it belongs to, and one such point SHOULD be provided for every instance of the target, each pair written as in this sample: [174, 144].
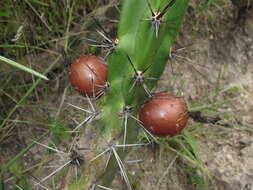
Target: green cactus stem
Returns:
[147, 45]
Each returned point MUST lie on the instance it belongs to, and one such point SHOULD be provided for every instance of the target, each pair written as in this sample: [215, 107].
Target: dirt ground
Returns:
[221, 57]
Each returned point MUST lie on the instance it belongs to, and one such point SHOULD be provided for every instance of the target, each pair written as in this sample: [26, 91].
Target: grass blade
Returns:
[22, 67]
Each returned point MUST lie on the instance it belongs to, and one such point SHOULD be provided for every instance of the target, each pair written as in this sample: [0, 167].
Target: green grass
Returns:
[17, 94]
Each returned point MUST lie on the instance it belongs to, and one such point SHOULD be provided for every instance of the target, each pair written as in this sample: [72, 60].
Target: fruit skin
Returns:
[164, 115]
[87, 74]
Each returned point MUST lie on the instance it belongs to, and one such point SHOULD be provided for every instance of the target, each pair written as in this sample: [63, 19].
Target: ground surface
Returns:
[221, 68]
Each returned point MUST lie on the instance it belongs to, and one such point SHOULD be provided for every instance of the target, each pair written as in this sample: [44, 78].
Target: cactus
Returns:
[146, 48]
[144, 40]
[146, 45]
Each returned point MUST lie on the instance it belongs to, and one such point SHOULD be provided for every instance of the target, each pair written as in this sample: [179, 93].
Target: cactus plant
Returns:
[147, 47]
[146, 32]
[145, 37]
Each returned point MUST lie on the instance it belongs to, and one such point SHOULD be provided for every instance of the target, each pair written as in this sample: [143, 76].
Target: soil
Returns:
[221, 57]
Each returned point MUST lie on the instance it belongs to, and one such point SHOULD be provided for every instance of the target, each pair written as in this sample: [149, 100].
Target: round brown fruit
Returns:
[88, 75]
[164, 115]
